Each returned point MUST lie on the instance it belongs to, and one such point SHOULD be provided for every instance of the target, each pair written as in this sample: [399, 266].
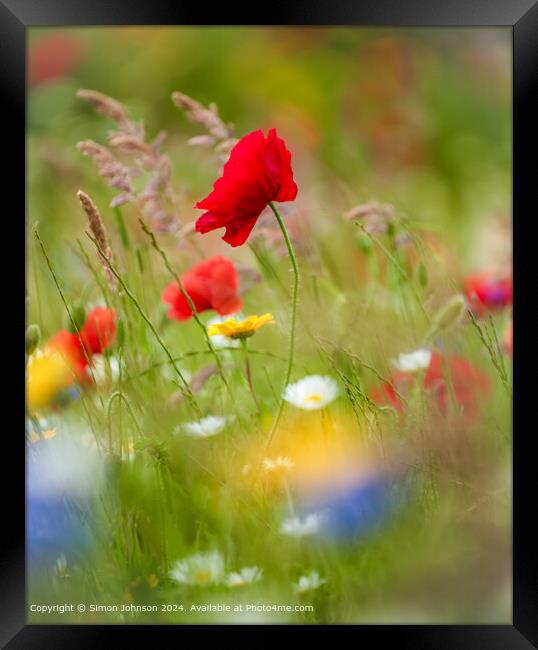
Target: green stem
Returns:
[496, 358]
[325, 424]
[119, 396]
[289, 497]
[69, 313]
[249, 374]
[295, 268]
[185, 388]
[401, 271]
[189, 300]
[121, 228]
[195, 353]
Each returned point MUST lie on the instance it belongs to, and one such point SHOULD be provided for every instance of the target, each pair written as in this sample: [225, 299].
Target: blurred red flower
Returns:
[51, 57]
[257, 172]
[469, 383]
[98, 330]
[68, 344]
[485, 291]
[96, 335]
[212, 284]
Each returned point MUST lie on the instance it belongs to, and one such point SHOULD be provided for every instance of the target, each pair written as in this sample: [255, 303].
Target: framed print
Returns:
[268, 313]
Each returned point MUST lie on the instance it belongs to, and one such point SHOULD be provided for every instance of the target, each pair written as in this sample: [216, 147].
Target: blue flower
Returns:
[361, 509]
[63, 476]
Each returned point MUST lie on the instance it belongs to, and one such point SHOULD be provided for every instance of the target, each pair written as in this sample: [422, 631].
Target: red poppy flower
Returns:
[257, 172]
[485, 291]
[51, 57]
[68, 344]
[210, 285]
[98, 330]
[469, 384]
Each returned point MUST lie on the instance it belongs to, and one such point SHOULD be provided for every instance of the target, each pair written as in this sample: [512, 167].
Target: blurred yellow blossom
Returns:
[47, 374]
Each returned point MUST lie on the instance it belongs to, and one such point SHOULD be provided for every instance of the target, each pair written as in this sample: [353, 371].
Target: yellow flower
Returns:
[241, 330]
[45, 435]
[47, 374]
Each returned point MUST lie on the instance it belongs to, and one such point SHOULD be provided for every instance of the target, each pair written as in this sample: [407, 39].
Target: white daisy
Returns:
[309, 582]
[312, 392]
[220, 341]
[202, 570]
[297, 527]
[281, 463]
[246, 576]
[204, 428]
[417, 360]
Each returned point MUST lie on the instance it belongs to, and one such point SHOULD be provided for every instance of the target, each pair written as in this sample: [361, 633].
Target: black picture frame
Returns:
[522, 17]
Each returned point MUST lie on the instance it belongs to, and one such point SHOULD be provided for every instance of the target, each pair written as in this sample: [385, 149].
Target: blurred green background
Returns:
[418, 117]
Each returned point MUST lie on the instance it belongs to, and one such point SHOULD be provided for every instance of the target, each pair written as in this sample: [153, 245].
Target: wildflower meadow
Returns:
[269, 325]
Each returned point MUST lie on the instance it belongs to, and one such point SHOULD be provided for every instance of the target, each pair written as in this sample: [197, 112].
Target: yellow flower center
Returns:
[313, 398]
[202, 576]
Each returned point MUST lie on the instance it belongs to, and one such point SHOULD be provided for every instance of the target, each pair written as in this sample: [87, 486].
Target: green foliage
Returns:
[419, 119]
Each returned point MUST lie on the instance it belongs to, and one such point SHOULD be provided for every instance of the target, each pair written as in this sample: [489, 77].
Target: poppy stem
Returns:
[295, 268]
